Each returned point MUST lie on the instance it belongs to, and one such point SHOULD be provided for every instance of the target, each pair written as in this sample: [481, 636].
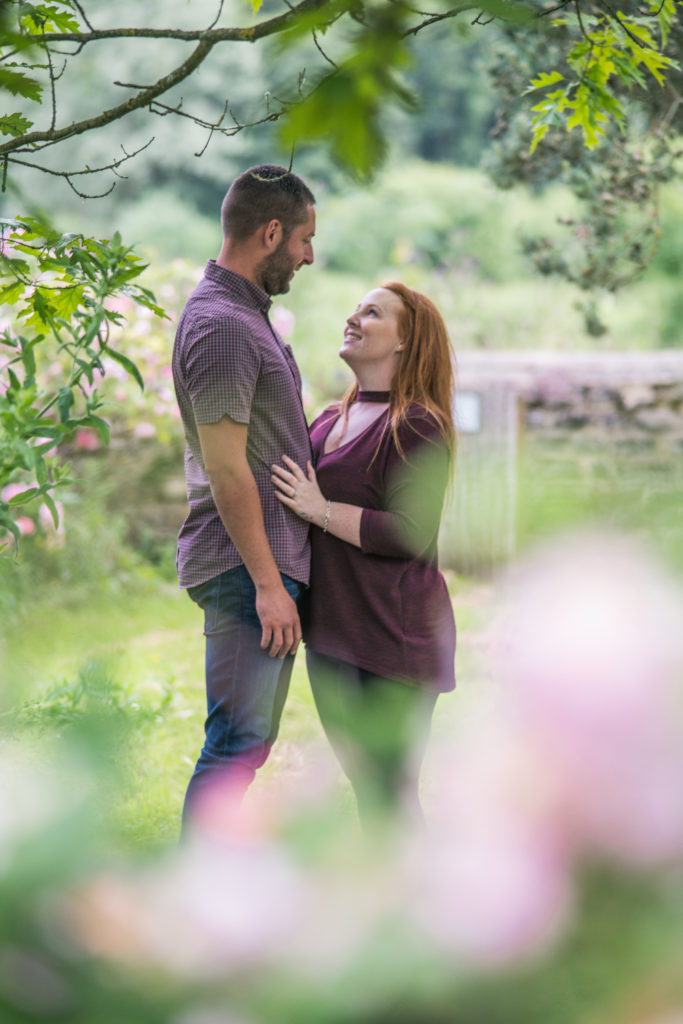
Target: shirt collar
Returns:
[241, 289]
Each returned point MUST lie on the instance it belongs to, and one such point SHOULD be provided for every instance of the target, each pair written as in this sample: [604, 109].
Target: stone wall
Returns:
[629, 400]
[573, 430]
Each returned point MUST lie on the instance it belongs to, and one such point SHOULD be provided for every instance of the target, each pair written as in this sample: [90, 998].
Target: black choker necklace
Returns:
[373, 396]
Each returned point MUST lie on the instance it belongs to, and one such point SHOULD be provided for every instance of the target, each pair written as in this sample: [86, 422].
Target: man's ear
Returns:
[272, 235]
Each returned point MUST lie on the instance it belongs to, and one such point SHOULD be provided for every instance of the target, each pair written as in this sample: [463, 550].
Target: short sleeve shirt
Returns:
[228, 360]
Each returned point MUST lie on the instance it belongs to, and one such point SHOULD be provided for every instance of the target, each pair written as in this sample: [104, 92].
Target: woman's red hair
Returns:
[426, 373]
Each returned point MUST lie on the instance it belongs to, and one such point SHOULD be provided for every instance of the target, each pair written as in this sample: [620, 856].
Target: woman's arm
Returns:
[408, 525]
[413, 497]
[300, 492]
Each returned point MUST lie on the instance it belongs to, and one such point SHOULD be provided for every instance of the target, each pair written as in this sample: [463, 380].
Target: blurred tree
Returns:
[615, 174]
[360, 51]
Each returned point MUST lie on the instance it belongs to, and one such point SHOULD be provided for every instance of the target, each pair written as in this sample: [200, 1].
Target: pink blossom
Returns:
[493, 899]
[86, 440]
[211, 909]
[167, 372]
[43, 440]
[144, 430]
[591, 660]
[26, 525]
[491, 880]
[10, 491]
[56, 535]
[119, 303]
[114, 369]
[283, 320]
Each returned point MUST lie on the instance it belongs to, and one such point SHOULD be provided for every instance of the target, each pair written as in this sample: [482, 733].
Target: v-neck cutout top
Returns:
[384, 607]
[344, 444]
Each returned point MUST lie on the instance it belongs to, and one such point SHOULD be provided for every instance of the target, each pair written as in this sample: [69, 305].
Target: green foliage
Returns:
[613, 235]
[354, 94]
[611, 50]
[94, 690]
[61, 288]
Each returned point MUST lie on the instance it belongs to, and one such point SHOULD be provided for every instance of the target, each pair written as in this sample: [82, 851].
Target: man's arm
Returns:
[224, 448]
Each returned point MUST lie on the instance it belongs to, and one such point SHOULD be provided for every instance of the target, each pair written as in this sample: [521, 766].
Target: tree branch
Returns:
[207, 40]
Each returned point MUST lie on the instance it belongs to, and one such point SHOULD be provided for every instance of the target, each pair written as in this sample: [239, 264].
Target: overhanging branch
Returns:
[207, 40]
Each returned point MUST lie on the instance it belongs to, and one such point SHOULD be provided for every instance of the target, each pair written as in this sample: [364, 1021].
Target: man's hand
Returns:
[279, 620]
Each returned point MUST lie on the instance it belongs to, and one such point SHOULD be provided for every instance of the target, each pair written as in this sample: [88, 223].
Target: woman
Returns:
[379, 630]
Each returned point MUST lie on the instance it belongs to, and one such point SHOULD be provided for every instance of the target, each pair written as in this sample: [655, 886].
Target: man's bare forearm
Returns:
[239, 506]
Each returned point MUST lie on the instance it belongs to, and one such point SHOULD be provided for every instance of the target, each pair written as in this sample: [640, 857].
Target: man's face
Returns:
[276, 271]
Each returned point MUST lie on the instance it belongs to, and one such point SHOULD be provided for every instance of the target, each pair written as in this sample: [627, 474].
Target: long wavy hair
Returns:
[426, 373]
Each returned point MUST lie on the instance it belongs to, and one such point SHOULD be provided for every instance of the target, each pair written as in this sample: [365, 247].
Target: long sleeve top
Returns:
[384, 607]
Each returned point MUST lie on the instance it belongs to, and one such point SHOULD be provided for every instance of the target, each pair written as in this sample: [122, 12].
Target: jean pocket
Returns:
[220, 599]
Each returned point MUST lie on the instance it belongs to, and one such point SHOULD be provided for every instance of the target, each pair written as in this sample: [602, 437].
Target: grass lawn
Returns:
[143, 654]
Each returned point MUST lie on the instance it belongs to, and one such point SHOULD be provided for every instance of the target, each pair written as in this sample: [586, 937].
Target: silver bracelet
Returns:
[326, 521]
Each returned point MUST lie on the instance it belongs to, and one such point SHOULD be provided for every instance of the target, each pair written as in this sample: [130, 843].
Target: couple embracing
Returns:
[329, 532]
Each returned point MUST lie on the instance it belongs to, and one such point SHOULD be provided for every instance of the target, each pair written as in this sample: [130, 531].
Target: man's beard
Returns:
[274, 272]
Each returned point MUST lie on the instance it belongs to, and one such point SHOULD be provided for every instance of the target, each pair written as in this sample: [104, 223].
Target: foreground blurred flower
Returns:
[591, 661]
[209, 909]
[490, 880]
[578, 756]
[86, 440]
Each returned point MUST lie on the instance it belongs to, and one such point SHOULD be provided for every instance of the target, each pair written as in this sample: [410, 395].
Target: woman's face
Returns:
[371, 332]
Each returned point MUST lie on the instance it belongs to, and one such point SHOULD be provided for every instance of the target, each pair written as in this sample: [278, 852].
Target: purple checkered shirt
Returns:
[229, 361]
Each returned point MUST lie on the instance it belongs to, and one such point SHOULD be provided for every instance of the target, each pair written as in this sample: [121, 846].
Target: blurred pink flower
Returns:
[144, 430]
[26, 525]
[119, 303]
[10, 491]
[590, 650]
[86, 440]
[210, 909]
[283, 320]
[113, 369]
[43, 440]
[56, 535]
[490, 880]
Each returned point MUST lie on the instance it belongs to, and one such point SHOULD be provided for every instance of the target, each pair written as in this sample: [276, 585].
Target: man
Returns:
[243, 556]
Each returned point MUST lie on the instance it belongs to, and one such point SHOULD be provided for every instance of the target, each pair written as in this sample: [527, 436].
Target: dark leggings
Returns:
[378, 729]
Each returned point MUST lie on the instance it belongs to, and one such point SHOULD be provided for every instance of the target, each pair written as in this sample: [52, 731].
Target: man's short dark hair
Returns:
[262, 194]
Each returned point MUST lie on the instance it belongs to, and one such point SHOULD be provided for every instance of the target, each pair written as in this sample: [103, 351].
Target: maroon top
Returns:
[229, 360]
[384, 607]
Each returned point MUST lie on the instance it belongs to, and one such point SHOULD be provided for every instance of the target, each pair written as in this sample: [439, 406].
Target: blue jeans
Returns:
[245, 688]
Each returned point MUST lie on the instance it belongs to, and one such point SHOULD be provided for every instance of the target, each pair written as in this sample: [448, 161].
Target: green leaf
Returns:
[66, 301]
[11, 293]
[543, 80]
[24, 497]
[19, 84]
[127, 364]
[507, 10]
[52, 508]
[65, 401]
[14, 124]
[100, 425]
[39, 18]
